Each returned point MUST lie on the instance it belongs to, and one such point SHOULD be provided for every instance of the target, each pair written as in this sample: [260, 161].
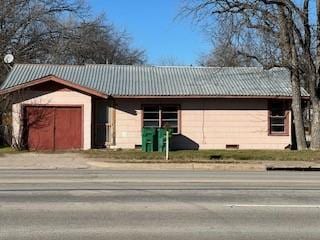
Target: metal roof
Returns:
[124, 80]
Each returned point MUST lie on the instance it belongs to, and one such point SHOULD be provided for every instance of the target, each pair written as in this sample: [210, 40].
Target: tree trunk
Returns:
[314, 92]
[296, 89]
[315, 126]
[297, 113]
[291, 50]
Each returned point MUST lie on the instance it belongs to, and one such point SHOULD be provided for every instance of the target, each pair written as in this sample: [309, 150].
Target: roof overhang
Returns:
[52, 78]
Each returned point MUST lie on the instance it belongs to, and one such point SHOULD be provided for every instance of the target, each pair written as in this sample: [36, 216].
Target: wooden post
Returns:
[111, 123]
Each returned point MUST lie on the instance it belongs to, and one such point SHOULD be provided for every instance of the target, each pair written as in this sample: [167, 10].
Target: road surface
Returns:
[102, 204]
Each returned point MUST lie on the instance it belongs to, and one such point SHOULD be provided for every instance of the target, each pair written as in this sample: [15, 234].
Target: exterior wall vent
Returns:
[232, 146]
[138, 146]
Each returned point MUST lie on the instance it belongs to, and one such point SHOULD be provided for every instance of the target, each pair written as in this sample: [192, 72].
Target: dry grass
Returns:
[6, 150]
[195, 156]
[207, 155]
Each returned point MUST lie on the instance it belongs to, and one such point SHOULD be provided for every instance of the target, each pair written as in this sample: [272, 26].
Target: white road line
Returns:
[270, 206]
[130, 180]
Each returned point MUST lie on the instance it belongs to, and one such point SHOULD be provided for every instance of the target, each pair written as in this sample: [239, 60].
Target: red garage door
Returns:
[53, 128]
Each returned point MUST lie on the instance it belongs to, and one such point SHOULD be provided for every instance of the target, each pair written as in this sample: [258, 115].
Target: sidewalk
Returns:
[179, 166]
[252, 165]
[80, 161]
[43, 161]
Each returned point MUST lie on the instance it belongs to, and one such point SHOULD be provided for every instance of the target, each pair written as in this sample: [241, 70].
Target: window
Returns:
[151, 116]
[278, 118]
[161, 116]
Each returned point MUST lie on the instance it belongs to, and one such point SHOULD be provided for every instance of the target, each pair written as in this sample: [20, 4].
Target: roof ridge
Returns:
[141, 66]
[50, 64]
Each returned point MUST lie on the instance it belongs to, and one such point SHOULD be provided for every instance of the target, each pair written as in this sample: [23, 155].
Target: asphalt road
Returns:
[100, 204]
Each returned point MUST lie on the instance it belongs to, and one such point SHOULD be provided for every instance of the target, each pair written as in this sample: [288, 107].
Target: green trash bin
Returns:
[162, 138]
[149, 139]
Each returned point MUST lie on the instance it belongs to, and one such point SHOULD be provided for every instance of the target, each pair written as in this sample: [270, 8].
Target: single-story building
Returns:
[92, 106]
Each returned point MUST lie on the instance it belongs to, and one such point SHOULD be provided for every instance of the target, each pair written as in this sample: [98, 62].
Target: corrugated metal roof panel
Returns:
[123, 80]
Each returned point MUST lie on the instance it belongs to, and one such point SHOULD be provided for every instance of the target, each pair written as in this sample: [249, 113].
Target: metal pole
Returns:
[167, 145]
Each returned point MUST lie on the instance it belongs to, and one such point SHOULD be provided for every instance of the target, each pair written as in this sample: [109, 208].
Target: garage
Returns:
[53, 127]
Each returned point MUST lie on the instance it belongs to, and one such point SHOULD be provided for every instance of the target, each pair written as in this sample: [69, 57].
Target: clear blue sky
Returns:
[153, 27]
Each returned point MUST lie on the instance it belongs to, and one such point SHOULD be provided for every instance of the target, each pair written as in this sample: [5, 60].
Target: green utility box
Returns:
[149, 139]
[162, 138]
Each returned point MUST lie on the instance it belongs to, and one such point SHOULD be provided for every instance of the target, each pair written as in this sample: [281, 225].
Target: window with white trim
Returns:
[161, 116]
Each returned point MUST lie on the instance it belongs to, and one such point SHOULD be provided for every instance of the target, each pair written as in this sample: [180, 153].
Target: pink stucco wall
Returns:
[53, 98]
[205, 123]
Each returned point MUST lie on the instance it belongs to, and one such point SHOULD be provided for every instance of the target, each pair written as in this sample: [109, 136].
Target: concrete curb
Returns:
[180, 166]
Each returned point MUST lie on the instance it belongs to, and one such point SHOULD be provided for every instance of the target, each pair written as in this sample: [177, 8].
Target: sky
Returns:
[153, 27]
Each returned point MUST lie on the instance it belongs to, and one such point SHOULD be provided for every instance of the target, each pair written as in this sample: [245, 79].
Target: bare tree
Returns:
[95, 42]
[37, 31]
[5, 119]
[29, 28]
[169, 61]
[225, 50]
[283, 30]
[225, 54]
